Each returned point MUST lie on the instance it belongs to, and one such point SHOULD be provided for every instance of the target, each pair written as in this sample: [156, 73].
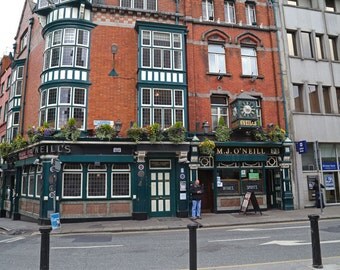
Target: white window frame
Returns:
[249, 61]
[229, 11]
[208, 13]
[70, 172]
[120, 171]
[216, 58]
[251, 13]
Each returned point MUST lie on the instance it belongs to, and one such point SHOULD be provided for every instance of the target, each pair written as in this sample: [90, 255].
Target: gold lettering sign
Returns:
[248, 123]
[241, 151]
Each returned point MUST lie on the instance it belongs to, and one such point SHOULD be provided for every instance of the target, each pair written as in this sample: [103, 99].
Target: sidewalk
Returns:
[167, 223]
[208, 220]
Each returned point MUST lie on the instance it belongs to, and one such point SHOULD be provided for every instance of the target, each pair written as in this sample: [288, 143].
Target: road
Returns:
[218, 248]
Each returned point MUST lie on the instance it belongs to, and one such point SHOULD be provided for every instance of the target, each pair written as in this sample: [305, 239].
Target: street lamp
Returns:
[118, 126]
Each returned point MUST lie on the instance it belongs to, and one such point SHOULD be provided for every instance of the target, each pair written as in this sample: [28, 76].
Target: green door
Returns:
[160, 190]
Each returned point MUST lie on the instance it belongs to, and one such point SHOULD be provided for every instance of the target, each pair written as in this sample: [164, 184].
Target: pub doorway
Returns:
[207, 180]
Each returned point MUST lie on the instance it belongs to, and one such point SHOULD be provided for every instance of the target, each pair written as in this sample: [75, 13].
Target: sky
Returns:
[10, 13]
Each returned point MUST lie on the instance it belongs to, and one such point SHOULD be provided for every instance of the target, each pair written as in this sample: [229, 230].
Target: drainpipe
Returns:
[177, 10]
[22, 110]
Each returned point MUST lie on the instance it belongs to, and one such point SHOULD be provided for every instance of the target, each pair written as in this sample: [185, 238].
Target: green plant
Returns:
[222, 132]
[154, 132]
[19, 142]
[176, 133]
[105, 131]
[34, 134]
[136, 133]
[5, 149]
[276, 134]
[207, 147]
[70, 131]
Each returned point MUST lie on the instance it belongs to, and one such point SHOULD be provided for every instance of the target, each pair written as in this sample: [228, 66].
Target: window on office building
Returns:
[326, 98]
[292, 44]
[208, 10]
[306, 44]
[320, 52]
[251, 13]
[216, 58]
[338, 98]
[330, 5]
[333, 48]
[219, 109]
[298, 97]
[229, 11]
[292, 2]
[313, 99]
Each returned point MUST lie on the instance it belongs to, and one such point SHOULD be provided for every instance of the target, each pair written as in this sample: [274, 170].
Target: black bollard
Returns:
[192, 246]
[45, 247]
[316, 249]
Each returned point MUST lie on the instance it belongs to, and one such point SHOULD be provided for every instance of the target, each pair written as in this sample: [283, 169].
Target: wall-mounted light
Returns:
[219, 77]
[205, 127]
[114, 50]
[118, 126]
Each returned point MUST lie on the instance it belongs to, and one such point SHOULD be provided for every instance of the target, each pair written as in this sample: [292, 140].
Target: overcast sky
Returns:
[10, 13]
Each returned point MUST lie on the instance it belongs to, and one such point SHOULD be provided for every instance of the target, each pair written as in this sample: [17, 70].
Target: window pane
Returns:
[162, 97]
[52, 96]
[146, 57]
[55, 57]
[83, 37]
[138, 4]
[81, 57]
[38, 185]
[177, 41]
[146, 38]
[120, 184]
[161, 39]
[250, 14]
[167, 58]
[79, 96]
[330, 5]
[178, 60]
[306, 45]
[69, 36]
[47, 59]
[157, 58]
[79, 115]
[51, 115]
[313, 99]
[216, 54]
[56, 38]
[125, 3]
[292, 48]
[178, 98]
[167, 118]
[67, 59]
[298, 98]
[151, 4]
[71, 185]
[249, 61]
[146, 96]
[333, 48]
[319, 47]
[146, 115]
[96, 184]
[327, 99]
[65, 95]
[229, 11]
[64, 116]
[179, 115]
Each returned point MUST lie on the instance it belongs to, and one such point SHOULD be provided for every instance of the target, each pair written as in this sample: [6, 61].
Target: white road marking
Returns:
[297, 243]
[10, 240]
[267, 229]
[87, 247]
[239, 239]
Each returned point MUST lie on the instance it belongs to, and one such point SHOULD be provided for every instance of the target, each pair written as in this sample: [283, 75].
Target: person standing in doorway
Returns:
[196, 190]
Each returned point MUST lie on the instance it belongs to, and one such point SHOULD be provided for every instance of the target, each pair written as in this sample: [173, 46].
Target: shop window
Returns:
[121, 181]
[298, 97]
[96, 181]
[219, 109]
[327, 99]
[31, 181]
[216, 56]
[229, 11]
[292, 44]
[72, 181]
[38, 182]
[314, 99]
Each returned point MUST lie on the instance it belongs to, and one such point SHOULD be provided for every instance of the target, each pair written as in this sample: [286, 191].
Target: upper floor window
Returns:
[314, 99]
[219, 109]
[229, 11]
[298, 97]
[58, 105]
[333, 48]
[292, 44]
[68, 47]
[320, 51]
[292, 2]
[338, 97]
[300, 3]
[326, 91]
[208, 10]
[161, 50]
[162, 106]
[249, 61]
[251, 13]
[46, 3]
[306, 45]
[16, 81]
[139, 4]
[330, 5]
[23, 41]
[216, 58]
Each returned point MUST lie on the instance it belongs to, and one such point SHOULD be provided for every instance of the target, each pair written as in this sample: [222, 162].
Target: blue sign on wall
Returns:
[329, 166]
[301, 147]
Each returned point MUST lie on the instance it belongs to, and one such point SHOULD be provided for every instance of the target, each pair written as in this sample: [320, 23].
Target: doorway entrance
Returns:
[206, 179]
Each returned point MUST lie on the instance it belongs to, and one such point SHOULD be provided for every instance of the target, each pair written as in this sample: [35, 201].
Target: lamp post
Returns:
[118, 126]
[287, 195]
